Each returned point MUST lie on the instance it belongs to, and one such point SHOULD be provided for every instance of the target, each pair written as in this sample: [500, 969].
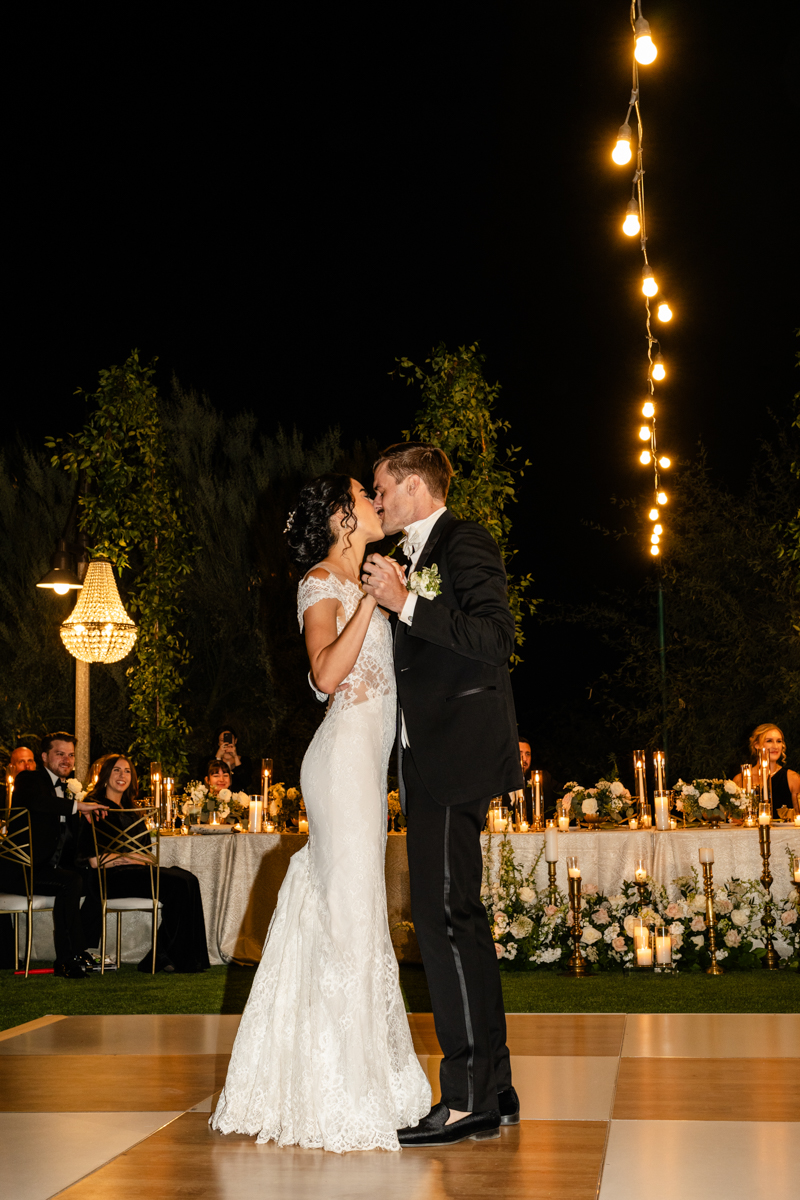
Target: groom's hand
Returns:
[383, 579]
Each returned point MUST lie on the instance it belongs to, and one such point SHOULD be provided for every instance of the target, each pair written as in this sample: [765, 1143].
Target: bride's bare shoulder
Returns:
[321, 571]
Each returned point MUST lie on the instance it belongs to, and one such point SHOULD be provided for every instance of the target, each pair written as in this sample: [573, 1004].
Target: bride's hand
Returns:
[384, 579]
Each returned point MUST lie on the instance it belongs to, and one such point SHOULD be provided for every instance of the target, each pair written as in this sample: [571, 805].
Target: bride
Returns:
[323, 1056]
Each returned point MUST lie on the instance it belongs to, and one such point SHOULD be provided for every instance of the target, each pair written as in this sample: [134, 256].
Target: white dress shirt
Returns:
[58, 782]
[416, 535]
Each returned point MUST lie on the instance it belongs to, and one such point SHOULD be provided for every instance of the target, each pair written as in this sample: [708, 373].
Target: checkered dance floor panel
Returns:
[669, 1107]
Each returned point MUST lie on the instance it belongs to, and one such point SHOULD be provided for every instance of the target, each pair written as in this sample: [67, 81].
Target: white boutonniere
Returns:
[427, 583]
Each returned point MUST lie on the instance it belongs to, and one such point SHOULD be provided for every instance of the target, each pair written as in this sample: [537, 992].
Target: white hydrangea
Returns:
[511, 948]
[611, 933]
[548, 955]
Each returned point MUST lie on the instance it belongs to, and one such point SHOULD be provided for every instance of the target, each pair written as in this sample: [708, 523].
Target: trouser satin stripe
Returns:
[459, 968]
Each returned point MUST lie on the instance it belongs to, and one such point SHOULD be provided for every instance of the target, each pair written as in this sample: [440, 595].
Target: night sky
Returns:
[279, 200]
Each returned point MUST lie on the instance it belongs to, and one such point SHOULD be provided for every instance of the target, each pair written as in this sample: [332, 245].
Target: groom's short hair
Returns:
[419, 458]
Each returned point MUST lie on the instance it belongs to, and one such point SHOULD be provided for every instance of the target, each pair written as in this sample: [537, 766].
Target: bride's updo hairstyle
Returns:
[308, 530]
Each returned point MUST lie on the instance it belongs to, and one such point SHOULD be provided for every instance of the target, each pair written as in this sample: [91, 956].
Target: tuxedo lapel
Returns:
[441, 525]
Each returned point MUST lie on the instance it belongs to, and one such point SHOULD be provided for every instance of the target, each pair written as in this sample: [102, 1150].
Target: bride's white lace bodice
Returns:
[324, 1056]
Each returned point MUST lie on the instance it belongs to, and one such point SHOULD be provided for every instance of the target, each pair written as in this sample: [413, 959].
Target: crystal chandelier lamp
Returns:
[98, 629]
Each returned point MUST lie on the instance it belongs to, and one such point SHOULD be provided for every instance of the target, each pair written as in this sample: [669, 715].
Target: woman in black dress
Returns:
[182, 933]
[784, 784]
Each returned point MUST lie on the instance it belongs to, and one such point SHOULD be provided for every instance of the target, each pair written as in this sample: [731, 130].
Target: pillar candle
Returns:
[551, 843]
[662, 812]
[302, 825]
[256, 810]
[706, 854]
[644, 957]
[797, 874]
[663, 948]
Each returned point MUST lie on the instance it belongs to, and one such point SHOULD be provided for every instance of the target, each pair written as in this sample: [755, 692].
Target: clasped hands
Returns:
[385, 580]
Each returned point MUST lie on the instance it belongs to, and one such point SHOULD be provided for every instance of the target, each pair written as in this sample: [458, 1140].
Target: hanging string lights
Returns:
[635, 225]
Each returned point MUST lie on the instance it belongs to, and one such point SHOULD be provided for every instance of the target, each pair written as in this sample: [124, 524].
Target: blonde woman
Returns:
[785, 784]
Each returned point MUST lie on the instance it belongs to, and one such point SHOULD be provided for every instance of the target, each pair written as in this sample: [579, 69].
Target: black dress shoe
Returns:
[433, 1130]
[163, 963]
[508, 1103]
[70, 969]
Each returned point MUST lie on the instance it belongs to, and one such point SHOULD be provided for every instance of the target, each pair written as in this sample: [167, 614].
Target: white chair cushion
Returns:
[131, 904]
[9, 903]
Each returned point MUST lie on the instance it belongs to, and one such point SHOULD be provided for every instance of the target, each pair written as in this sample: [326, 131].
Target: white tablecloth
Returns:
[240, 875]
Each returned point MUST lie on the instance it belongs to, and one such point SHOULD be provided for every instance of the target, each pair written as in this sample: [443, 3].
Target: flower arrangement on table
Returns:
[531, 933]
[284, 805]
[199, 801]
[608, 800]
[710, 800]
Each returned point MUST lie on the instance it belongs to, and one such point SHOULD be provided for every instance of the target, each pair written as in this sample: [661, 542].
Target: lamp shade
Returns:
[98, 629]
[61, 578]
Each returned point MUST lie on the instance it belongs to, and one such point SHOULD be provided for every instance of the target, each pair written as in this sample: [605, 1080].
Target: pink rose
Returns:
[789, 917]
[733, 938]
[601, 917]
[499, 949]
[589, 889]
[618, 943]
[550, 910]
[698, 924]
[673, 911]
[570, 918]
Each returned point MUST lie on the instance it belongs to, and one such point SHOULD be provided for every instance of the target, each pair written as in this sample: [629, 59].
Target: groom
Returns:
[457, 749]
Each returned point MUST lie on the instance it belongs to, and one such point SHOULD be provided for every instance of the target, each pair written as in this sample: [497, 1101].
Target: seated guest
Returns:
[52, 808]
[181, 942]
[22, 759]
[550, 786]
[241, 769]
[218, 775]
[784, 784]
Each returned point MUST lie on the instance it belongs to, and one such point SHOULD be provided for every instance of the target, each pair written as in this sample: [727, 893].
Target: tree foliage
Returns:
[134, 515]
[457, 413]
[732, 615]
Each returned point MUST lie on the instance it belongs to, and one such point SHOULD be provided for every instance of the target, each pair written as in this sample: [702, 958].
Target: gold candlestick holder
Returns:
[792, 868]
[711, 920]
[577, 964]
[552, 887]
[770, 960]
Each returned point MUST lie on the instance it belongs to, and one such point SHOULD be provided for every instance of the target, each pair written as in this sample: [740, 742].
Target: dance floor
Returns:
[666, 1107]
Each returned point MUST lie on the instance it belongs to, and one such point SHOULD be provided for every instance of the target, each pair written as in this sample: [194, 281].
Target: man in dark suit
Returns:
[52, 806]
[454, 635]
[549, 786]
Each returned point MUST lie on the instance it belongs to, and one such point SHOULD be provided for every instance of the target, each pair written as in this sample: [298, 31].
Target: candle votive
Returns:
[646, 816]
[494, 814]
[524, 826]
[644, 957]
[640, 873]
[302, 825]
[673, 824]
[634, 823]
[501, 820]
[269, 827]
[573, 870]
[706, 854]
[663, 945]
[764, 812]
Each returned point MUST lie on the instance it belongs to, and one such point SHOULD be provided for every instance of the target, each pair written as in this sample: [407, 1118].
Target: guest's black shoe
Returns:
[508, 1103]
[72, 968]
[433, 1130]
[163, 963]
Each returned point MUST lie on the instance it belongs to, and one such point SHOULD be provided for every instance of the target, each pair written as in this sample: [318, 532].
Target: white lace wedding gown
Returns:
[323, 1056]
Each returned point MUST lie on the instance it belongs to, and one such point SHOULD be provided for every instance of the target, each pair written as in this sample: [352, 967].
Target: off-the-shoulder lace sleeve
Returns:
[311, 591]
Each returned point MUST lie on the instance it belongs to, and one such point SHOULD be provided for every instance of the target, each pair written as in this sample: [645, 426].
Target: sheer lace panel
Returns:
[373, 673]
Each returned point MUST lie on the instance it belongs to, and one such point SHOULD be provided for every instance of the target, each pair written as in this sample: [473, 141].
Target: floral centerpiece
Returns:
[284, 804]
[525, 925]
[581, 801]
[710, 800]
[614, 801]
[199, 801]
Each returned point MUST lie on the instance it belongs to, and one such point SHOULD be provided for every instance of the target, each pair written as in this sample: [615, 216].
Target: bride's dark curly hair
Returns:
[308, 530]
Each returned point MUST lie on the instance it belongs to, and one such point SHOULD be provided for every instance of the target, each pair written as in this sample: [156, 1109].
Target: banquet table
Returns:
[240, 875]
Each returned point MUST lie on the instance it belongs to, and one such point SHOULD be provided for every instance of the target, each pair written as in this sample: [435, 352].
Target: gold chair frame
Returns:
[17, 848]
[118, 843]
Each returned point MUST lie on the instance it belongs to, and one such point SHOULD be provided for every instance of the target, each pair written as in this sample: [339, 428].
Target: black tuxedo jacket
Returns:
[34, 790]
[453, 683]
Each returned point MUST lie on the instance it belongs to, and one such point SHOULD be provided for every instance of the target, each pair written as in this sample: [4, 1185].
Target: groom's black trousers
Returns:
[446, 868]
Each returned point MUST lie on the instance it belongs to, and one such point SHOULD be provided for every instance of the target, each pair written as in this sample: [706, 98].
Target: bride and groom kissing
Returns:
[324, 1055]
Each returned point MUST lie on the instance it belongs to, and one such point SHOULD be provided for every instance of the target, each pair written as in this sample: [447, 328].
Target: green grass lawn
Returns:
[225, 990]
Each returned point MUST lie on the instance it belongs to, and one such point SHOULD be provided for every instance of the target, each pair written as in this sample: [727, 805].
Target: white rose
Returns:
[617, 788]
[698, 941]
[731, 787]
[224, 794]
[74, 786]
[628, 925]
[708, 800]
[223, 811]
[527, 895]
[590, 935]
[521, 927]
[242, 798]
[699, 903]
[590, 805]
[741, 916]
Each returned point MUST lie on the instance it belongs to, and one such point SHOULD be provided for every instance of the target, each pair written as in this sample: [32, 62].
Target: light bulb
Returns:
[653, 514]
[649, 285]
[631, 224]
[658, 529]
[648, 409]
[621, 153]
[662, 497]
[61, 589]
[654, 550]
[664, 312]
[659, 370]
[644, 433]
[644, 457]
[665, 462]
[655, 539]
[644, 52]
